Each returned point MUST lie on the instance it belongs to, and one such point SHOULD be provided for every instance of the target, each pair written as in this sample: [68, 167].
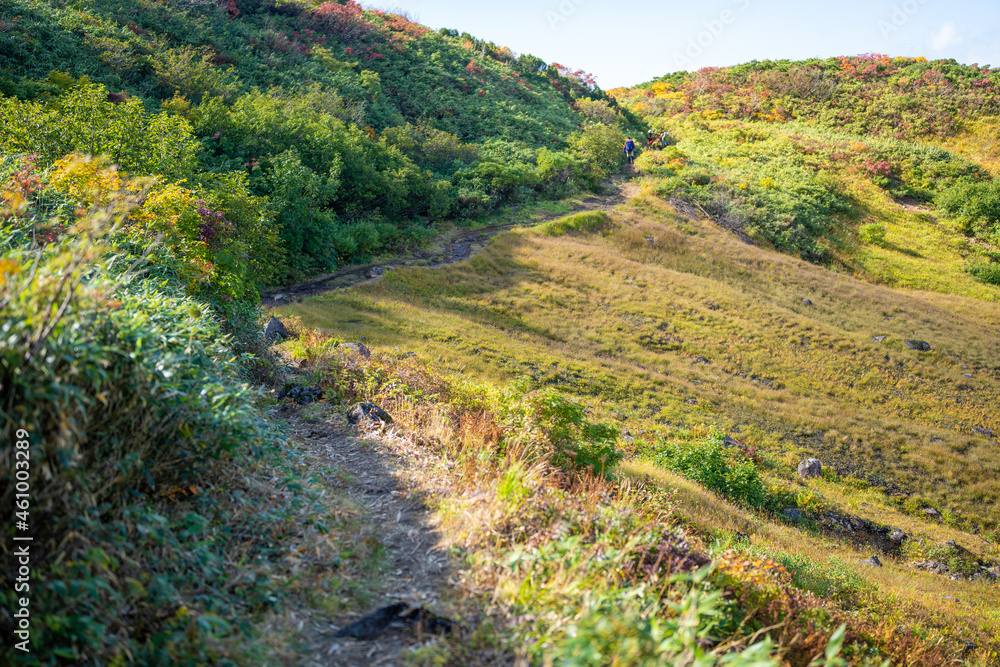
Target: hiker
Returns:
[629, 150]
[650, 139]
[664, 140]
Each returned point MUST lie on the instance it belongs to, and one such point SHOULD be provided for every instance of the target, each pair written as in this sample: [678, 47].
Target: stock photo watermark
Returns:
[899, 16]
[22, 539]
[562, 12]
[714, 28]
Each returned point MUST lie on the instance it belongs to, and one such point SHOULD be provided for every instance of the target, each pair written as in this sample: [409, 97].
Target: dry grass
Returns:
[622, 317]
[947, 608]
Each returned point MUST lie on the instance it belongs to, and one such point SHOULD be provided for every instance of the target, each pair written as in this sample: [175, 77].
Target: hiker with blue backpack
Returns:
[629, 150]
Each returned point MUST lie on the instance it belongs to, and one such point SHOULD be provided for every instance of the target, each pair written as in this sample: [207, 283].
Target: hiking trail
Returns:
[462, 244]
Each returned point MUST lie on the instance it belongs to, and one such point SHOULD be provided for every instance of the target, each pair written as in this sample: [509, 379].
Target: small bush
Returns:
[984, 271]
[976, 206]
[719, 469]
[873, 233]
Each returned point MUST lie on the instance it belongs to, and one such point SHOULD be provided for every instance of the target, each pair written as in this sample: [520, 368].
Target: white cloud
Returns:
[944, 37]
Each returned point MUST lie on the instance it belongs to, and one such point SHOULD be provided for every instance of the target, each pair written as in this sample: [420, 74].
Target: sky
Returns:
[625, 42]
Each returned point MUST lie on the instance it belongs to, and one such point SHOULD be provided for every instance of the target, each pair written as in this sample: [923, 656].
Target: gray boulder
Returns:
[793, 513]
[897, 536]
[274, 330]
[810, 468]
[918, 345]
[368, 411]
[873, 561]
[357, 348]
[932, 513]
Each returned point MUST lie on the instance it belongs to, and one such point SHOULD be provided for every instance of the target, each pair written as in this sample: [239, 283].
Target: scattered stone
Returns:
[806, 302]
[918, 345]
[951, 543]
[701, 360]
[873, 561]
[741, 537]
[712, 306]
[968, 375]
[374, 272]
[810, 468]
[370, 411]
[932, 566]
[275, 329]
[301, 395]
[932, 513]
[897, 536]
[627, 437]
[408, 355]
[732, 442]
[879, 339]
[277, 297]
[983, 431]
[357, 348]
[692, 401]
[395, 617]
[793, 513]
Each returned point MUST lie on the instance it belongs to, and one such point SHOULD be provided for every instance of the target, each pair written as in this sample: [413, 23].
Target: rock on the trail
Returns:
[873, 561]
[301, 395]
[368, 411]
[918, 345]
[932, 513]
[810, 468]
[897, 536]
[275, 329]
[358, 348]
[395, 617]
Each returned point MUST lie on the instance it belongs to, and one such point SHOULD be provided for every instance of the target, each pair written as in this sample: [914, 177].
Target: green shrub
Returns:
[724, 471]
[976, 206]
[984, 271]
[575, 442]
[129, 393]
[873, 233]
[599, 146]
[631, 631]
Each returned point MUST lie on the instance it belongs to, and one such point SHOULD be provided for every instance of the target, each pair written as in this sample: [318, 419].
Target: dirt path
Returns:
[381, 469]
[460, 246]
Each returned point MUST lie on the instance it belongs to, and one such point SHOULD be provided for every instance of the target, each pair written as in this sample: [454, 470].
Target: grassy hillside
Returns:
[609, 407]
[359, 130]
[159, 164]
[835, 160]
[666, 326]
[749, 308]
